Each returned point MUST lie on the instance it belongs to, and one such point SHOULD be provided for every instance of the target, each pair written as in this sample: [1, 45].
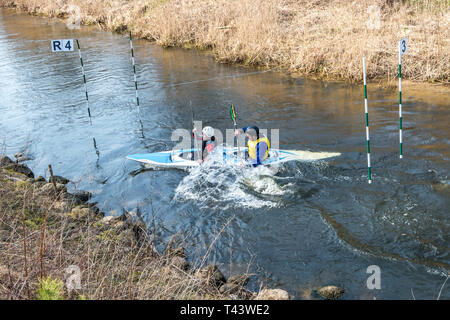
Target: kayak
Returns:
[228, 155]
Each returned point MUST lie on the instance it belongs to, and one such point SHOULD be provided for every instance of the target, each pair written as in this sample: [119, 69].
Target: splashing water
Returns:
[231, 186]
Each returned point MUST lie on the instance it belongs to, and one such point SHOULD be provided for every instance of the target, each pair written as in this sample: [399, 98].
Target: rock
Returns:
[59, 179]
[5, 161]
[94, 208]
[131, 220]
[114, 222]
[71, 198]
[245, 294]
[20, 168]
[108, 219]
[125, 221]
[212, 275]
[40, 179]
[21, 157]
[331, 292]
[63, 205]
[234, 284]
[230, 288]
[83, 196]
[179, 251]
[120, 225]
[272, 294]
[140, 232]
[127, 216]
[79, 213]
[38, 184]
[61, 188]
[239, 279]
[48, 189]
[180, 263]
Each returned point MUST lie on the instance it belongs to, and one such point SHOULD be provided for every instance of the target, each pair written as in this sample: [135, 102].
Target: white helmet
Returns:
[208, 131]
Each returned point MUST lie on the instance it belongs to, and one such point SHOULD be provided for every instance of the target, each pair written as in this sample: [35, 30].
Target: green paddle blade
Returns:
[233, 114]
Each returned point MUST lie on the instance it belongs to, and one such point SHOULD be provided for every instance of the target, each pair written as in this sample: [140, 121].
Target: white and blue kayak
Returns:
[229, 155]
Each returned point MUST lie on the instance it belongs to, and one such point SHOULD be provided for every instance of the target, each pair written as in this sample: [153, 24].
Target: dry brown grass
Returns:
[312, 37]
[40, 236]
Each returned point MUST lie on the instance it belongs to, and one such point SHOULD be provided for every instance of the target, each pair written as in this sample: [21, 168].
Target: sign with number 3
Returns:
[403, 46]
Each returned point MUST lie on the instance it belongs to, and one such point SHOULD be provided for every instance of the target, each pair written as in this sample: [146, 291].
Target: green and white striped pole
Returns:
[369, 172]
[402, 48]
[134, 73]
[400, 103]
[84, 81]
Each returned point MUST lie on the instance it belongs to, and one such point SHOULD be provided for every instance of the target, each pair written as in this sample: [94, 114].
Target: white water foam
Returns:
[229, 186]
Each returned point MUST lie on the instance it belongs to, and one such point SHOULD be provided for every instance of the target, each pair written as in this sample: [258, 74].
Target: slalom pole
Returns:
[402, 49]
[84, 81]
[369, 173]
[134, 73]
[400, 101]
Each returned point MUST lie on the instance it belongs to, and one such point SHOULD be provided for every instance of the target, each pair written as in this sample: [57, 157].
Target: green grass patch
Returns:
[108, 236]
[33, 220]
[50, 289]
[22, 184]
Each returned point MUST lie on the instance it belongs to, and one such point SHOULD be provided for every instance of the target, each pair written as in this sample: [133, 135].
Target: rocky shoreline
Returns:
[130, 233]
[77, 207]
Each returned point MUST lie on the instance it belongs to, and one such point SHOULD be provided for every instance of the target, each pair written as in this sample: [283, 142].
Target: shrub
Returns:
[50, 289]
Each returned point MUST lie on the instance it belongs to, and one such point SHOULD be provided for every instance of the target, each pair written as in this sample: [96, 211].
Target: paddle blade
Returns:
[233, 114]
[307, 155]
[192, 111]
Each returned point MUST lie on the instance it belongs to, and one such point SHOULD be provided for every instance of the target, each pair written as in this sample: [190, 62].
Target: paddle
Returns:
[193, 126]
[233, 115]
[233, 118]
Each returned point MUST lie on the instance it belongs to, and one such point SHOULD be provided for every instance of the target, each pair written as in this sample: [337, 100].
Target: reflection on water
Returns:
[310, 224]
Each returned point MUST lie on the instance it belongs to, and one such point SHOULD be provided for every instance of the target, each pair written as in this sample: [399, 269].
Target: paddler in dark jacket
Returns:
[258, 146]
[208, 141]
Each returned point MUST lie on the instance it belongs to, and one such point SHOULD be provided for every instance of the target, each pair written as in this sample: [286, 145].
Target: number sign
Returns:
[403, 46]
[62, 45]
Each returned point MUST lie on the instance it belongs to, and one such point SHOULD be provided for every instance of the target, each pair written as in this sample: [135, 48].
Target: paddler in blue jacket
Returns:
[258, 146]
[208, 141]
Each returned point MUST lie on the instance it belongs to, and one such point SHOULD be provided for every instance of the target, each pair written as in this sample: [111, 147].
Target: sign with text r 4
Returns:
[62, 45]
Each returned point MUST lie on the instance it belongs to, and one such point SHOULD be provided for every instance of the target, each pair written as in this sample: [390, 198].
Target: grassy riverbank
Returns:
[48, 236]
[325, 39]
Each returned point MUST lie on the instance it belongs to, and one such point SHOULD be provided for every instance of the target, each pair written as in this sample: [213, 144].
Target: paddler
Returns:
[257, 146]
[208, 141]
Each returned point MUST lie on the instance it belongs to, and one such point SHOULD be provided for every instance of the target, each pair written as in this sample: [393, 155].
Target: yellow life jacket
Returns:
[251, 145]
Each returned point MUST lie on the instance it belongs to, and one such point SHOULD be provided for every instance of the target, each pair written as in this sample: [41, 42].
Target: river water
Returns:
[311, 224]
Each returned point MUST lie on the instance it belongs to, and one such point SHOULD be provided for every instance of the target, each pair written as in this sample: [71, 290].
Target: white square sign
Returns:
[403, 46]
[62, 45]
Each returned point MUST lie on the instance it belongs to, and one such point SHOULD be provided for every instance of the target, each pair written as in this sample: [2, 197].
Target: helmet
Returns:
[208, 131]
[253, 131]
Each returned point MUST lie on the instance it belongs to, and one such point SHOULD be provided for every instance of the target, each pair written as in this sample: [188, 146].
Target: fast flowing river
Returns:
[311, 224]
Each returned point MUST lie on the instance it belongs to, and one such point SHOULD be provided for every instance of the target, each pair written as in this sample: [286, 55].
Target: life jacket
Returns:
[253, 145]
